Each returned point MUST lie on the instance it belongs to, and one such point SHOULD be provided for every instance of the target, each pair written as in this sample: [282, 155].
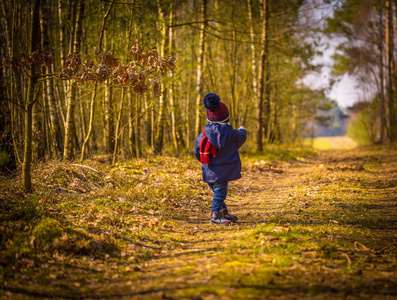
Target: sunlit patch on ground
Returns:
[321, 227]
[331, 143]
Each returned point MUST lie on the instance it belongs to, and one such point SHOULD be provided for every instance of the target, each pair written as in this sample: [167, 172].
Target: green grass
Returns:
[330, 143]
[273, 154]
[142, 226]
[358, 128]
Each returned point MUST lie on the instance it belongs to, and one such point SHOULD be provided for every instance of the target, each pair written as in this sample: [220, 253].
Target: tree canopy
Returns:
[124, 78]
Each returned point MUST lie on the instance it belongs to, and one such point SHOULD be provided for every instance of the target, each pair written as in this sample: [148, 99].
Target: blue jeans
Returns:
[220, 193]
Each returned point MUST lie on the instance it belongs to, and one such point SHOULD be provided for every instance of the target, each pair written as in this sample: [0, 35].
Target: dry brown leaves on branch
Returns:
[36, 57]
[144, 70]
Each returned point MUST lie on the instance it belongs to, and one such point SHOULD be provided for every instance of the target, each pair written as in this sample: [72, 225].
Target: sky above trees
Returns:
[344, 90]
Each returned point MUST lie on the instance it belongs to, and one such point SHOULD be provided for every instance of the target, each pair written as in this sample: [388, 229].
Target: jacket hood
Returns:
[218, 133]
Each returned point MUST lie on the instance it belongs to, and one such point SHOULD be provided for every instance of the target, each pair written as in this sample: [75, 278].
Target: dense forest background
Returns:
[123, 78]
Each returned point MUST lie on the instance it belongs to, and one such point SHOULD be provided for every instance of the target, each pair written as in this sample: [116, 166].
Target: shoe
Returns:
[224, 213]
[218, 219]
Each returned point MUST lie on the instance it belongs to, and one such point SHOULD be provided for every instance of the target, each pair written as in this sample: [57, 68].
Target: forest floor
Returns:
[312, 226]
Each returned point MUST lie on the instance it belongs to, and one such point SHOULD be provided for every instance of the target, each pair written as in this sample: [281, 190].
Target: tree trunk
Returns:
[103, 26]
[109, 118]
[118, 126]
[15, 84]
[62, 39]
[389, 52]
[71, 99]
[83, 129]
[200, 62]
[233, 73]
[131, 124]
[8, 27]
[253, 54]
[62, 88]
[158, 147]
[187, 111]
[68, 146]
[393, 102]
[262, 79]
[109, 106]
[380, 137]
[6, 108]
[148, 121]
[171, 89]
[90, 123]
[38, 129]
[55, 126]
[274, 129]
[94, 91]
[137, 133]
[34, 74]
[6, 141]
[267, 99]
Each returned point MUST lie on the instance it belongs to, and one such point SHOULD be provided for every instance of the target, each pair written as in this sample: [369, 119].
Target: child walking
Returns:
[217, 149]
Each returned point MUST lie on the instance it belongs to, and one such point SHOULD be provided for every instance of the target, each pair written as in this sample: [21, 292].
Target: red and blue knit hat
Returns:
[216, 110]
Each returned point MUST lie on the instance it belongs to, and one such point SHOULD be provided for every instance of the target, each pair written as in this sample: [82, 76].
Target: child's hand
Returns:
[242, 127]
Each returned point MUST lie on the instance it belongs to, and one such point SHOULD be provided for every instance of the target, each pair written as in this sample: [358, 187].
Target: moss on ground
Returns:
[311, 226]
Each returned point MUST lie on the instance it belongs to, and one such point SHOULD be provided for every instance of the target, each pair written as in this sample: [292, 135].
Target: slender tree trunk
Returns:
[171, 89]
[388, 69]
[109, 118]
[69, 126]
[109, 107]
[131, 124]
[163, 98]
[267, 99]
[68, 146]
[55, 126]
[148, 122]
[62, 88]
[73, 10]
[134, 150]
[274, 129]
[83, 129]
[294, 118]
[62, 38]
[381, 103]
[200, 63]
[46, 130]
[38, 129]
[6, 141]
[94, 91]
[137, 132]
[187, 111]
[233, 73]
[118, 131]
[103, 26]
[253, 53]
[262, 79]
[34, 74]
[90, 124]
[8, 27]
[389, 44]
[15, 84]
[393, 102]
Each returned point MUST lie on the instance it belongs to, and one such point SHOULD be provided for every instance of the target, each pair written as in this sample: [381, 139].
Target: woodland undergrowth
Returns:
[311, 224]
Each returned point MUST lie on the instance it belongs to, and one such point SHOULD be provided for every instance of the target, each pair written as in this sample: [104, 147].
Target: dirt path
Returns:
[187, 271]
[317, 228]
[293, 239]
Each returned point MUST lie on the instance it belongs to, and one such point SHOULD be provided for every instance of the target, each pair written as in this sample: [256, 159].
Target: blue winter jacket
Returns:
[226, 166]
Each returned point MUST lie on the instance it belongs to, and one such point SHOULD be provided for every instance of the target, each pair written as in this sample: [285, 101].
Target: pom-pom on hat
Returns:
[216, 110]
